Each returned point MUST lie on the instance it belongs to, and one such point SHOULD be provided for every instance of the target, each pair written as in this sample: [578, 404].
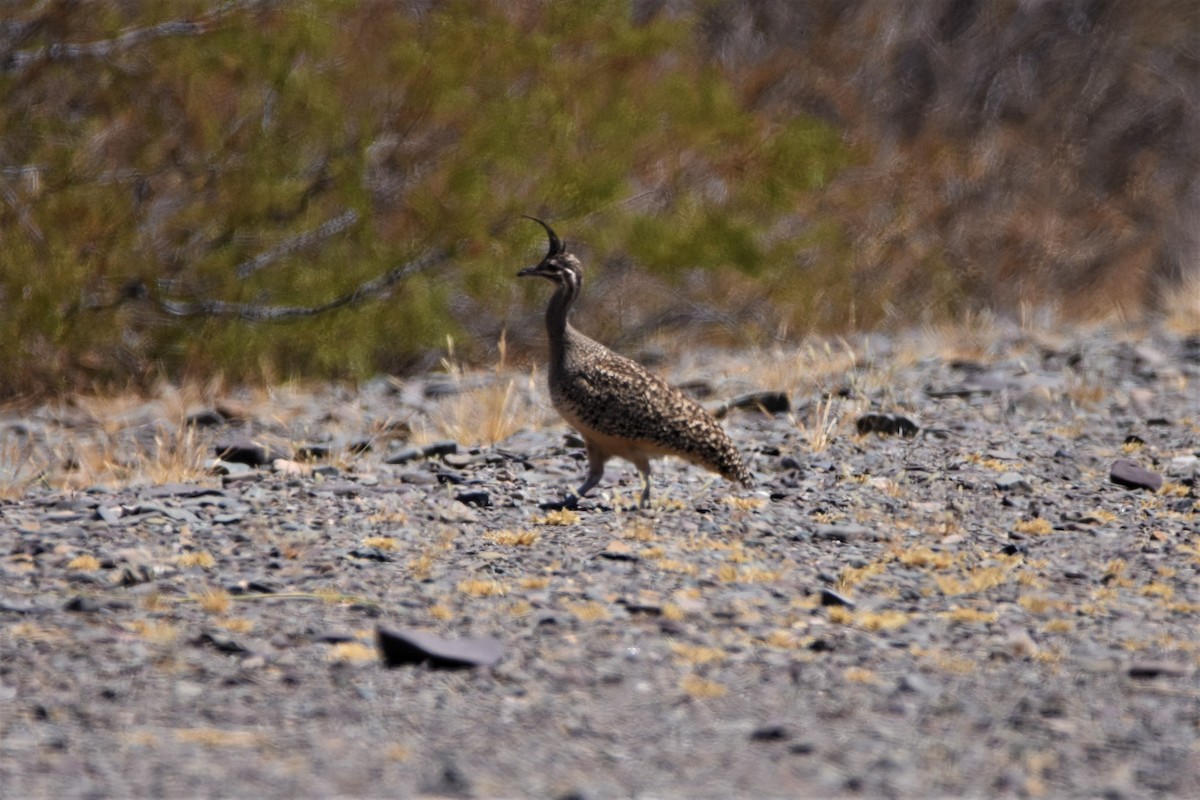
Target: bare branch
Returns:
[65, 51]
[251, 312]
[298, 242]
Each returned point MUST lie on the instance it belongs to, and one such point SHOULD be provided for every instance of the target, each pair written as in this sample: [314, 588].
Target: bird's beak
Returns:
[527, 271]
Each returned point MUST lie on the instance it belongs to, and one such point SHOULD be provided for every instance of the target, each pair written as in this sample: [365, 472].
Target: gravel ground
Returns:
[976, 609]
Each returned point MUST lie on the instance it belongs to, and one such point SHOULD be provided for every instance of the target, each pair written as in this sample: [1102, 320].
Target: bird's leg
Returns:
[643, 465]
[596, 460]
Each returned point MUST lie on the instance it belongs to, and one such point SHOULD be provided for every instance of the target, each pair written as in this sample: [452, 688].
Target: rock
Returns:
[455, 513]
[220, 641]
[449, 781]
[772, 732]
[1145, 670]
[914, 683]
[618, 550]
[403, 647]
[458, 460]
[831, 598]
[887, 424]
[369, 554]
[208, 418]
[1184, 467]
[987, 383]
[245, 451]
[478, 498]
[109, 514]
[181, 490]
[1012, 482]
[405, 456]
[216, 466]
[843, 532]
[442, 448]
[313, 452]
[428, 451]
[83, 605]
[763, 402]
[1126, 473]
[285, 466]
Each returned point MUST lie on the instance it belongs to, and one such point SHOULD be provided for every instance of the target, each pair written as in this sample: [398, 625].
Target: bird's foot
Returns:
[568, 503]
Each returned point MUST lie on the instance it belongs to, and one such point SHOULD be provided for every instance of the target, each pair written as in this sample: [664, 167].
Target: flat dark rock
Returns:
[889, 424]
[245, 451]
[768, 402]
[1127, 473]
[403, 647]
[181, 490]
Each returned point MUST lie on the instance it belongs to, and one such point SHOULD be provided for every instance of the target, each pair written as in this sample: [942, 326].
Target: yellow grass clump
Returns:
[351, 652]
[197, 558]
[482, 587]
[511, 538]
[84, 563]
[701, 688]
[562, 516]
[591, 611]
[697, 653]
[213, 601]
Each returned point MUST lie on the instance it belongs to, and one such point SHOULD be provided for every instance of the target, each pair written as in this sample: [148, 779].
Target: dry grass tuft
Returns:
[482, 587]
[161, 633]
[84, 563]
[852, 576]
[729, 573]
[1042, 604]
[976, 580]
[513, 538]
[820, 433]
[677, 566]
[351, 652]
[441, 612]
[640, 531]
[563, 516]
[860, 675]
[697, 654]
[387, 543]
[745, 503]
[237, 624]
[1058, 626]
[970, 615]
[591, 611]
[881, 620]
[923, 556]
[493, 412]
[214, 737]
[782, 639]
[701, 688]
[213, 601]
[198, 558]
[1039, 526]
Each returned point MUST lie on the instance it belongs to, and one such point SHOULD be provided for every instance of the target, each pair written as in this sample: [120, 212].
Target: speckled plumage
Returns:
[619, 408]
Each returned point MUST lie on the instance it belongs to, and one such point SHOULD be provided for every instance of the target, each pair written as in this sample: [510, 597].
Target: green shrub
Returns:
[174, 161]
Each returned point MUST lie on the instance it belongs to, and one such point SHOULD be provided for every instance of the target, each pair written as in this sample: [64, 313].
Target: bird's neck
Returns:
[556, 320]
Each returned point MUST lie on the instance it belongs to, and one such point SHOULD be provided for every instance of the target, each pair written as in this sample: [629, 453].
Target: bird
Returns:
[619, 408]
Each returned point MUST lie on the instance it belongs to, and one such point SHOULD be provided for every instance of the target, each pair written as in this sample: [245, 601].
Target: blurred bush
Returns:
[281, 154]
[748, 170]
[1020, 153]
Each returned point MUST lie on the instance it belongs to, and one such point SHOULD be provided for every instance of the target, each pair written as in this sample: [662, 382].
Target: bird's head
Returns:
[558, 265]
